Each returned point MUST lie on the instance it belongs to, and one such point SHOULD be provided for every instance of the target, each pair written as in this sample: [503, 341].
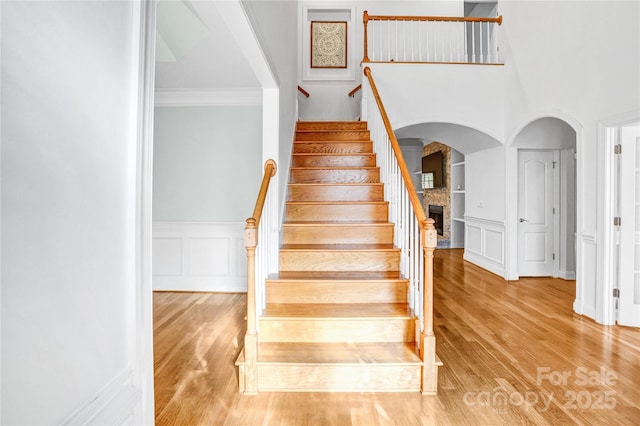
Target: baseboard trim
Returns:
[112, 405]
[567, 275]
[484, 263]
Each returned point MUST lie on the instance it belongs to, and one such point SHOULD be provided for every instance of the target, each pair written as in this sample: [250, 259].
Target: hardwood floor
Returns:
[513, 353]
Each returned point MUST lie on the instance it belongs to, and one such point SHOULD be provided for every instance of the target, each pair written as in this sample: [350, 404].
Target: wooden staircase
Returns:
[336, 316]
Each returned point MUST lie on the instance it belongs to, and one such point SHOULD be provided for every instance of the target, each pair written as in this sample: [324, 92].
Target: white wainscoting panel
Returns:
[199, 256]
[485, 244]
[587, 288]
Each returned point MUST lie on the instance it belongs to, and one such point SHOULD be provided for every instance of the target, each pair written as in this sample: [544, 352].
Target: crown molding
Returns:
[207, 97]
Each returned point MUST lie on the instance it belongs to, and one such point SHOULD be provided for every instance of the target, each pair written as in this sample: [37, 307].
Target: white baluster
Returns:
[426, 30]
[481, 49]
[497, 45]
[458, 47]
[466, 44]
[371, 32]
[404, 41]
[473, 42]
[412, 30]
[450, 35]
[388, 23]
[420, 41]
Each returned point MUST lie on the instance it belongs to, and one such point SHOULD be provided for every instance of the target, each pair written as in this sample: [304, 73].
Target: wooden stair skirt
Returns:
[336, 316]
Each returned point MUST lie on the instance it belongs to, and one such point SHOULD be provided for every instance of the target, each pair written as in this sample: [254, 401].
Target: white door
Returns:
[536, 213]
[629, 212]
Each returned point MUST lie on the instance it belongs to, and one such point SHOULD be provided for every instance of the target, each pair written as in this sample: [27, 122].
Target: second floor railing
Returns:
[257, 230]
[431, 39]
[415, 235]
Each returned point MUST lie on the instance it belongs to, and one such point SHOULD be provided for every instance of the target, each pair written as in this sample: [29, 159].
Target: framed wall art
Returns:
[328, 44]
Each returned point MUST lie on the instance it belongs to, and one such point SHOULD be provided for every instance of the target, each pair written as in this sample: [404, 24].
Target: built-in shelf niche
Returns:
[458, 194]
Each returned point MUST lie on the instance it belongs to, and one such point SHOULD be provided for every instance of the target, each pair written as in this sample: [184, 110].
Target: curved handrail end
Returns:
[304, 92]
[272, 163]
[355, 90]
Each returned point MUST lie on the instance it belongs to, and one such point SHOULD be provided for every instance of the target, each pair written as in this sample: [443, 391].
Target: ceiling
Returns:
[196, 50]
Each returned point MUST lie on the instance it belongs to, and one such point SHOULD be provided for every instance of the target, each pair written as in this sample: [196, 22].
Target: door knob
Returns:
[523, 220]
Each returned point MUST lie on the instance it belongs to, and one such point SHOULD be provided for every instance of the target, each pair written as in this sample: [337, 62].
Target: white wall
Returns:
[547, 69]
[276, 25]
[68, 207]
[581, 73]
[207, 174]
[207, 163]
[485, 183]
[473, 96]
[329, 100]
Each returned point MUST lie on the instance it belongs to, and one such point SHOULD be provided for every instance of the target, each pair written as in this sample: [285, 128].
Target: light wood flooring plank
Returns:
[492, 336]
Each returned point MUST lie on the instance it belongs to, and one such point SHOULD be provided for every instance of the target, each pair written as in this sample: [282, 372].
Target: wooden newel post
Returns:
[251, 337]
[365, 21]
[427, 338]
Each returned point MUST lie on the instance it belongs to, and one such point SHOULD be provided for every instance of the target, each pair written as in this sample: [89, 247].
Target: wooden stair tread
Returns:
[335, 203]
[333, 154]
[334, 168]
[324, 184]
[331, 125]
[339, 247]
[339, 353]
[334, 222]
[344, 277]
[338, 224]
[336, 275]
[336, 310]
[329, 141]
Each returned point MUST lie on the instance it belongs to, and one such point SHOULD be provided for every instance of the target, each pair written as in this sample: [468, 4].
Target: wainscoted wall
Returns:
[199, 256]
[587, 288]
[484, 244]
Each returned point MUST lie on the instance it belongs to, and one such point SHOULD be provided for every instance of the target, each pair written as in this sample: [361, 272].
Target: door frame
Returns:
[555, 237]
[142, 98]
[605, 302]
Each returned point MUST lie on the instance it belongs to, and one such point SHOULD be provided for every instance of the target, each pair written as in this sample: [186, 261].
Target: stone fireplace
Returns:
[439, 197]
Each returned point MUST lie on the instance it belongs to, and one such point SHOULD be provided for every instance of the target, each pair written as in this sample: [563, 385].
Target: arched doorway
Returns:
[475, 188]
[546, 198]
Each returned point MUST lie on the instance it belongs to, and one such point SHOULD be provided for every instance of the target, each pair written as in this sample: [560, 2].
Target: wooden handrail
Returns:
[355, 90]
[304, 92]
[497, 20]
[404, 170]
[251, 242]
[366, 18]
[429, 241]
[270, 169]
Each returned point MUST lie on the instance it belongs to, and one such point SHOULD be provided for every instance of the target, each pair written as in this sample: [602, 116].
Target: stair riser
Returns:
[337, 213]
[339, 378]
[336, 192]
[319, 160]
[333, 135]
[339, 261]
[335, 176]
[332, 147]
[331, 125]
[332, 234]
[392, 291]
[334, 330]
